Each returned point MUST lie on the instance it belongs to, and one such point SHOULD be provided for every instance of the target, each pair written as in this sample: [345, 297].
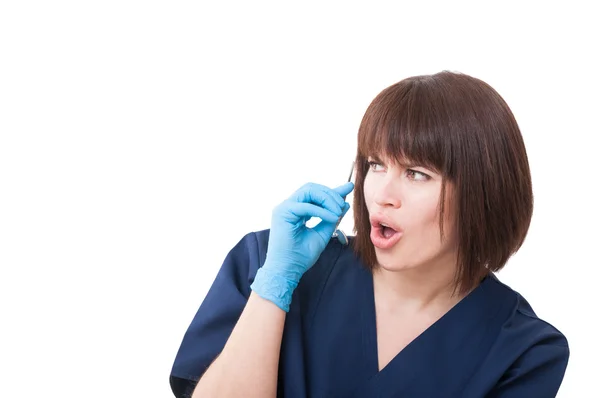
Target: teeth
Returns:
[385, 225]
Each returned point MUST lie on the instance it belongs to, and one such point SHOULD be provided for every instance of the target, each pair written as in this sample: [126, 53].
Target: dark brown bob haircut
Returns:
[460, 127]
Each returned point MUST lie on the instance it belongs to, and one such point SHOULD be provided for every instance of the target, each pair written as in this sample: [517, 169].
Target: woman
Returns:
[411, 306]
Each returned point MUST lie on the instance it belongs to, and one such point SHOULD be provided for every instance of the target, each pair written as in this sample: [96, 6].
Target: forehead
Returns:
[404, 148]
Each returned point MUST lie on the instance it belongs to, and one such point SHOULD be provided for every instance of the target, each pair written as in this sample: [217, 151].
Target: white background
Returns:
[140, 140]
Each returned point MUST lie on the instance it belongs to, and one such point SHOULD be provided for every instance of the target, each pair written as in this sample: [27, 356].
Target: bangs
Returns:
[404, 126]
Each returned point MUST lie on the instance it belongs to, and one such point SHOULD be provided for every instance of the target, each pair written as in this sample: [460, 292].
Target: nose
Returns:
[387, 193]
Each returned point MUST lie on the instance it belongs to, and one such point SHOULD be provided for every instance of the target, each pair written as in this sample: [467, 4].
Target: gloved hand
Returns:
[293, 247]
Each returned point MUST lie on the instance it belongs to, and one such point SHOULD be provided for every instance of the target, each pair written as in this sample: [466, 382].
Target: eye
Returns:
[417, 175]
[373, 163]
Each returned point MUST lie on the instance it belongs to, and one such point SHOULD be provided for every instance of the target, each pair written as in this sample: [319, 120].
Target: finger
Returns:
[319, 195]
[311, 186]
[344, 189]
[297, 210]
[325, 229]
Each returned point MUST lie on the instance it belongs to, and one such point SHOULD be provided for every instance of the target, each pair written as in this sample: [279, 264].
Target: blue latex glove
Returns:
[293, 247]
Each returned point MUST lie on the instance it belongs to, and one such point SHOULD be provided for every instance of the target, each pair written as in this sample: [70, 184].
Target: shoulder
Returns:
[336, 263]
[525, 322]
[256, 243]
[533, 352]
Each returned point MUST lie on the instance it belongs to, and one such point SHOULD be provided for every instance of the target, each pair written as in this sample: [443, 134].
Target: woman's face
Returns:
[406, 198]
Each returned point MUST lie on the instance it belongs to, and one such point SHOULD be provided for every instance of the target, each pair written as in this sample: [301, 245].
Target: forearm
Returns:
[248, 364]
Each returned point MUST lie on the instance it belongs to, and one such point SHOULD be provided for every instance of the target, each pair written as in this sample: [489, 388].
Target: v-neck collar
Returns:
[448, 334]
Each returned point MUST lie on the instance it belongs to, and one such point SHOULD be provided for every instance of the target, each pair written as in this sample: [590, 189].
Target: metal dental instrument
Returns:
[339, 234]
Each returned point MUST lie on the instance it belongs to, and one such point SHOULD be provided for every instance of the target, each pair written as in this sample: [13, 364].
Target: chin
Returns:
[395, 267]
[388, 263]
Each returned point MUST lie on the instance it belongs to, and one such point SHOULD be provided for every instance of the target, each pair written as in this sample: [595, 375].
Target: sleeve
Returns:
[217, 315]
[538, 373]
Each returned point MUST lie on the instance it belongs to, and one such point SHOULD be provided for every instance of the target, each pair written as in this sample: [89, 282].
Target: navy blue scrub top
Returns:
[491, 344]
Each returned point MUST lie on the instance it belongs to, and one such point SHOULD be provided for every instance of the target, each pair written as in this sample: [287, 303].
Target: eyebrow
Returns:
[405, 163]
[402, 163]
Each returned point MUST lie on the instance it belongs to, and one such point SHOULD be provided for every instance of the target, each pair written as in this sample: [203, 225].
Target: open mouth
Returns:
[387, 232]
[384, 236]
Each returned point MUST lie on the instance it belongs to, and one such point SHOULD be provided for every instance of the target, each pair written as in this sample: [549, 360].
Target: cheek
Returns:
[423, 212]
[368, 191]
[422, 218]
